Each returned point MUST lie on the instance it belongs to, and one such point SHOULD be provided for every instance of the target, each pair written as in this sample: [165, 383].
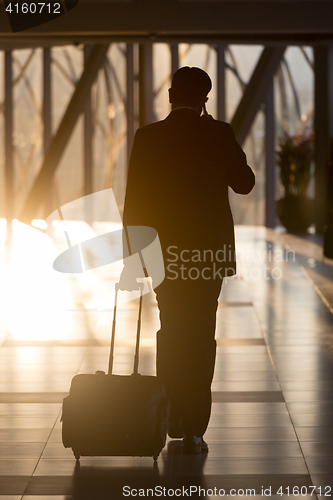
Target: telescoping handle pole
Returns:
[113, 331]
[138, 330]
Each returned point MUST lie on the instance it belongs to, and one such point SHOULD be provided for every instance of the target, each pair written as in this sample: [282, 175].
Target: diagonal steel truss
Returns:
[272, 62]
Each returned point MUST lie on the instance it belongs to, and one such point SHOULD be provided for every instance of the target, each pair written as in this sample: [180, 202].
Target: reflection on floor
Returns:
[271, 427]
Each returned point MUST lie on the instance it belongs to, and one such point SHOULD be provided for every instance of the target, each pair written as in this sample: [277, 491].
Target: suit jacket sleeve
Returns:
[136, 207]
[240, 176]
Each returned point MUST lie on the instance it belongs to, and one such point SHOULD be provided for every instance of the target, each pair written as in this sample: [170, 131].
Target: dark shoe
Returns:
[194, 444]
[175, 430]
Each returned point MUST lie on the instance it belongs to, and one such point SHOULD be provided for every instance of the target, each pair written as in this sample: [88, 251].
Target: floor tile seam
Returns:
[307, 275]
[290, 416]
[212, 475]
[317, 289]
[313, 482]
[253, 441]
[276, 372]
[264, 335]
[41, 453]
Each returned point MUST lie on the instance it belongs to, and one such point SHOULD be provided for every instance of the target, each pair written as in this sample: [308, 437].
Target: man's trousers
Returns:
[186, 348]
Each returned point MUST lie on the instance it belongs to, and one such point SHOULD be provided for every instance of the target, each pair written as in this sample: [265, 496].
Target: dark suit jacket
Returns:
[179, 172]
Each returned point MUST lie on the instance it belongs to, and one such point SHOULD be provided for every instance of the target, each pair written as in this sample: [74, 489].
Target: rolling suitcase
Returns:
[116, 415]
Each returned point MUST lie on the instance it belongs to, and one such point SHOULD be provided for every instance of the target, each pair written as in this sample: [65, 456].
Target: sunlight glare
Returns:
[39, 223]
[34, 298]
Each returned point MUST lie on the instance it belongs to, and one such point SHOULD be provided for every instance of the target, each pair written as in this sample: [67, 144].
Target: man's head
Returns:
[189, 87]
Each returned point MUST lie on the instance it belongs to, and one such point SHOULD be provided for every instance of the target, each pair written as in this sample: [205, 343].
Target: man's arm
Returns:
[133, 210]
[240, 176]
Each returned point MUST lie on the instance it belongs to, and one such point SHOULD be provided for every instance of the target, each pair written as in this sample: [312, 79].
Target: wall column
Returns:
[9, 150]
[47, 123]
[323, 127]
[270, 159]
[129, 98]
[88, 137]
[146, 85]
[221, 86]
[174, 58]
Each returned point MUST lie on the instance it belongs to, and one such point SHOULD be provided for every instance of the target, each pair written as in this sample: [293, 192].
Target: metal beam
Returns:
[47, 100]
[88, 135]
[221, 87]
[174, 57]
[323, 127]
[9, 151]
[88, 132]
[63, 134]
[152, 18]
[270, 159]
[146, 85]
[256, 91]
[130, 98]
[13, 42]
[47, 121]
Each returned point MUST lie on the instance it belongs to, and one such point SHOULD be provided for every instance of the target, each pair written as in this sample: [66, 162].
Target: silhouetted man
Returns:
[179, 173]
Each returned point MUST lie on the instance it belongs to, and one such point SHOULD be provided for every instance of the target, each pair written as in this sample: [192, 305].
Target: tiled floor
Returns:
[271, 428]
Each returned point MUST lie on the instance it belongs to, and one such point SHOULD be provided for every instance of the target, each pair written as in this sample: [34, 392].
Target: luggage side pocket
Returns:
[66, 427]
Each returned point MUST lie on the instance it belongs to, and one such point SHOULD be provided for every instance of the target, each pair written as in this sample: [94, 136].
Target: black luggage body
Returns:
[115, 415]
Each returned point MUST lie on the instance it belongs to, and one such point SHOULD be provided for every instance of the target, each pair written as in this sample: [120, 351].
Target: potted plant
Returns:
[294, 157]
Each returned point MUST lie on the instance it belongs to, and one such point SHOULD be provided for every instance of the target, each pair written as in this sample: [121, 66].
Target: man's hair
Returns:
[189, 86]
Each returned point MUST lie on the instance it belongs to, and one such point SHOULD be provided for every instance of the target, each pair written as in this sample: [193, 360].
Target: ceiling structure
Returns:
[275, 24]
[231, 21]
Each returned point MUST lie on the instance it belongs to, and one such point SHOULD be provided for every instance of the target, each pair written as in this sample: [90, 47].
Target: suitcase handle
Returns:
[138, 330]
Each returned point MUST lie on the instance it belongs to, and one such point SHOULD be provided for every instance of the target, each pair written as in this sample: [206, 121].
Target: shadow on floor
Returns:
[175, 474]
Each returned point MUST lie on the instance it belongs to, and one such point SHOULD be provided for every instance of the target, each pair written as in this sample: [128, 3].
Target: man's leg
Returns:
[186, 349]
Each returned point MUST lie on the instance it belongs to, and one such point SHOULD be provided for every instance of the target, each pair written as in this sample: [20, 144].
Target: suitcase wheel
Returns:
[155, 456]
[76, 455]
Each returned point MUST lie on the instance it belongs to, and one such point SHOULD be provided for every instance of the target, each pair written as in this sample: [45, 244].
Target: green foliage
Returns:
[294, 157]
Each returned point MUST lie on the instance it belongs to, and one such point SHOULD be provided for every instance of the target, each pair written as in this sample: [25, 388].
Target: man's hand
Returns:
[127, 280]
[205, 114]
[208, 117]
